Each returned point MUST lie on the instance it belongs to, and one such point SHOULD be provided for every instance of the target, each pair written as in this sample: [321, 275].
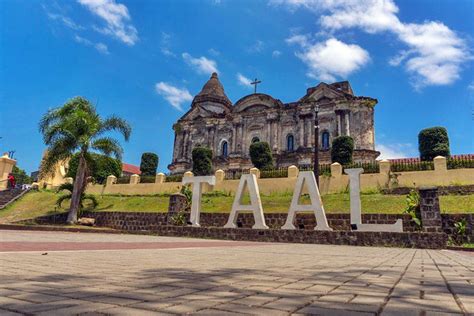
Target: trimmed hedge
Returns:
[433, 142]
[261, 155]
[202, 161]
[342, 150]
[149, 164]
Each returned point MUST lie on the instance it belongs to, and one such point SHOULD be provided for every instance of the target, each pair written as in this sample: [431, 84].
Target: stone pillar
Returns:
[6, 167]
[134, 179]
[336, 169]
[384, 166]
[429, 210]
[111, 180]
[293, 172]
[220, 175]
[160, 178]
[440, 164]
[256, 172]
[178, 203]
[339, 123]
[301, 130]
[188, 174]
[347, 128]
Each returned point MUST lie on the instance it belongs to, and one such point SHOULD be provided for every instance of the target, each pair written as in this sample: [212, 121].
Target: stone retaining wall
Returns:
[142, 221]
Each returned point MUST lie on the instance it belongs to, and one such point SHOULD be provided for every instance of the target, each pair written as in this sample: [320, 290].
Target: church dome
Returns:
[213, 91]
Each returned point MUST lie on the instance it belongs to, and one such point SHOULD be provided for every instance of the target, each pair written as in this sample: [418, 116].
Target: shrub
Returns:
[149, 164]
[342, 149]
[202, 161]
[99, 167]
[433, 142]
[261, 155]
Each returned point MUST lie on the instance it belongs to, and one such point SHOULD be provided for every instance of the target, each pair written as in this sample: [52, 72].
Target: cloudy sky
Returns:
[145, 60]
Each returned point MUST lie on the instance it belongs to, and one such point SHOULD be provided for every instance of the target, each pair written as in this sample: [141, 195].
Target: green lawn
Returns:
[40, 203]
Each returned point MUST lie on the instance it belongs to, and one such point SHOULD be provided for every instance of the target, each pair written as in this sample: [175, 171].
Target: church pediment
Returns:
[197, 113]
[255, 102]
[323, 93]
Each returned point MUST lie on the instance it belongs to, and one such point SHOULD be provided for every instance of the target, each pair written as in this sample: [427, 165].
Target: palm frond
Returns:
[114, 123]
[63, 198]
[108, 146]
[65, 187]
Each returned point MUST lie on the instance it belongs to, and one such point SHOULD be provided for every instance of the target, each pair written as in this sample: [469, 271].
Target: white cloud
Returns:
[116, 18]
[257, 47]
[165, 44]
[435, 53]
[300, 39]
[214, 52]
[202, 65]
[396, 151]
[243, 81]
[174, 95]
[276, 54]
[471, 86]
[67, 21]
[100, 47]
[332, 58]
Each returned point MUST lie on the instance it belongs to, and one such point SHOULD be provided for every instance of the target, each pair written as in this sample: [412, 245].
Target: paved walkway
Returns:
[135, 275]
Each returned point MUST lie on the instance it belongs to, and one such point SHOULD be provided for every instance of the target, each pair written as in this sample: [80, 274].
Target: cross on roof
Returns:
[255, 83]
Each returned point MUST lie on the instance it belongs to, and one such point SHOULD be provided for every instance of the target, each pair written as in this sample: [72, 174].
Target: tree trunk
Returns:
[79, 186]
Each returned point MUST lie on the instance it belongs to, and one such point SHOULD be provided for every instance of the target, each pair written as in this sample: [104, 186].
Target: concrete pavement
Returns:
[58, 273]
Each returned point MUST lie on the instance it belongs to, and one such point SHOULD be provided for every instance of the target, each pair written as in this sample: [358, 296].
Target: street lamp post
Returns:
[316, 144]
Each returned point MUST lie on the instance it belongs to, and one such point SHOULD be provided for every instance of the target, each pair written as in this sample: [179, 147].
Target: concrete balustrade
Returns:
[134, 179]
[160, 178]
[440, 164]
[111, 180]
[220, 175]
[336, 170]
[293, 172]
[256, 172]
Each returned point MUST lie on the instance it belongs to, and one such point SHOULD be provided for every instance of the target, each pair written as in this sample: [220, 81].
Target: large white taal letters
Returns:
[197, 183]
[247, 181]
[316, 206]
[356, 208]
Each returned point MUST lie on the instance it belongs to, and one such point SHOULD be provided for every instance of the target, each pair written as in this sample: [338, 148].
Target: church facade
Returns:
[229, 129]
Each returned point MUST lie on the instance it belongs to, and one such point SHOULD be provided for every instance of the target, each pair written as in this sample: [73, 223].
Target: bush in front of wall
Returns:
[342, 150]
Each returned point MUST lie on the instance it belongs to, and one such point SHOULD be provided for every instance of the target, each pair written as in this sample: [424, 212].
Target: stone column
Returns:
[177, 204]
[347, 128]
[339, 121]
[160, 178]
[111, 180]
[429, 210]
[293, 172]
[440, 164]
[301, 130]
[134, 179]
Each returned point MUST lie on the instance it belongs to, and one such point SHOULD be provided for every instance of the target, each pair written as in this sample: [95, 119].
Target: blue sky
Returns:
[144, 60]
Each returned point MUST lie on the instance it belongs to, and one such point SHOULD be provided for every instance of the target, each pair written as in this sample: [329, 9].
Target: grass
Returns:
[36, 204]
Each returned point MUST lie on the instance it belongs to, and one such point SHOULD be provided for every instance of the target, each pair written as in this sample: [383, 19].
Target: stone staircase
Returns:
[8, 196]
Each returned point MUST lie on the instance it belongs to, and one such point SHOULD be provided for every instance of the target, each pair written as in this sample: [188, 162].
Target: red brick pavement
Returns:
[62, 246]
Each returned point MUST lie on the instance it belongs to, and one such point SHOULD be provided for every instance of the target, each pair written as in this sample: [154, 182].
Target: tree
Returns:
[149, 164]
[433, 142]
[100, 167]
[76, 127]
[70, 188]
[342, 150]
[202, 161]
[261, 155]
[20, 176]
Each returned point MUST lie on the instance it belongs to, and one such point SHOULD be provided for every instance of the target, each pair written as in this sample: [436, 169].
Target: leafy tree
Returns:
[70, 188]
[76, 127]
[202, 161]
[20, 176]
[433, 142]
[261, 155]
[149, 164]
[342, 150]
[99, 166]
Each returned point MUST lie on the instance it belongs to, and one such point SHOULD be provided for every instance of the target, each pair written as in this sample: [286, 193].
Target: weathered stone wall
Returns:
[137, 221]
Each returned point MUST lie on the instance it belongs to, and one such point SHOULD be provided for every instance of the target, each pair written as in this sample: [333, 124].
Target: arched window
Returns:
[290, 143]
[325, 140]
[255, 139]
[224, 149]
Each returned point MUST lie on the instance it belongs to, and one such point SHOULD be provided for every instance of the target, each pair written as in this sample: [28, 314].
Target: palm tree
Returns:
[76, 127]
[69, 187]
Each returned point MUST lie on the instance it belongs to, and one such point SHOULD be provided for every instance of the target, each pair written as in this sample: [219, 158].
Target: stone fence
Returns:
[336, 182]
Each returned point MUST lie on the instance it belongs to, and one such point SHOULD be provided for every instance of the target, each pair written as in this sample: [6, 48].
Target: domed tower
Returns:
[212, 97]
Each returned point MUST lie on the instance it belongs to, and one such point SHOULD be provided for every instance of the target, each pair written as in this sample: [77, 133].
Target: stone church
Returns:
[229, 129]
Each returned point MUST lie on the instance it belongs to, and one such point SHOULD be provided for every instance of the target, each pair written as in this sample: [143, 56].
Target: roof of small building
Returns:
[128, 168]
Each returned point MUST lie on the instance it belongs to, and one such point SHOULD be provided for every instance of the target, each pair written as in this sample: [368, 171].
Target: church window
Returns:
[325, 140]
[255, 139]
[225, 149]
[290, 143]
